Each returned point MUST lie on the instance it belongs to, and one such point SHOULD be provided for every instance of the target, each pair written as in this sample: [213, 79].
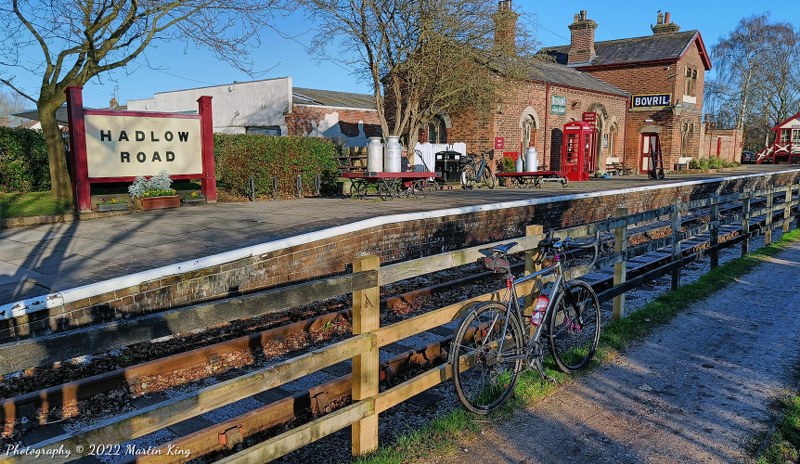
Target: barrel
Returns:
[392, 152]
[375, 155]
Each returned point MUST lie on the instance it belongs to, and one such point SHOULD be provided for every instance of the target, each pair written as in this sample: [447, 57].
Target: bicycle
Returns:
[479, 174]
[491, 344]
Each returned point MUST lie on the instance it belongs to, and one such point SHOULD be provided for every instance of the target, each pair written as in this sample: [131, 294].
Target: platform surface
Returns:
[55, 257]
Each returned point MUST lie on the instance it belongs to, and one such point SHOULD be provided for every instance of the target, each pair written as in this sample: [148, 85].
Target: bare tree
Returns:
[78, 40]
[9, 103]
[757, 81]
[428, 56]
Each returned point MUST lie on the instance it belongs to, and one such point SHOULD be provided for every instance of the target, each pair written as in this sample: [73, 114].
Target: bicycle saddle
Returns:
[501, 249]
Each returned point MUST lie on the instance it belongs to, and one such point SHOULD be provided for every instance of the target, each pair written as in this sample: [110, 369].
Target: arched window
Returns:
[528, 132]
[437, 131]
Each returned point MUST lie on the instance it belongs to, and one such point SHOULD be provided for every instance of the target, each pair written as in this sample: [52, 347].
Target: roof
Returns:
[786, 122]
[651, 48]
[558, 74]
[33, 115]
[301, 96]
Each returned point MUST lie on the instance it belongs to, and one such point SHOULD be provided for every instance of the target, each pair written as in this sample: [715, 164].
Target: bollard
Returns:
[299, 186]
[252, 189]
[274, 187]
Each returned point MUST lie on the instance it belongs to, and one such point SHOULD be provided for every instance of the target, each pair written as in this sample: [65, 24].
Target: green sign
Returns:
[558, 104]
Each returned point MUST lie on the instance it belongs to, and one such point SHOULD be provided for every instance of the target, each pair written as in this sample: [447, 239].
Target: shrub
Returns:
[156, 186]
[711, 163]
[23, 160]
[240, 156]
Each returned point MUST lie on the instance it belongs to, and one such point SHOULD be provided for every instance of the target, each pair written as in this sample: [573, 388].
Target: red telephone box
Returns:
[579, 150]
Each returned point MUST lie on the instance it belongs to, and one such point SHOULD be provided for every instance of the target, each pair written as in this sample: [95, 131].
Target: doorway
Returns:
[650, 145]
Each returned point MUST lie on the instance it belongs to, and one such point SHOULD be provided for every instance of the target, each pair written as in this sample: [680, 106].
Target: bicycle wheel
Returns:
[468, 178]
[483, 375]
[488, 178]
[422, 188]
[387, 191]
[575, 326]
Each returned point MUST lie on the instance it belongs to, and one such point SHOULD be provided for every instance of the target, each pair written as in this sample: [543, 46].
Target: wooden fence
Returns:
[743, 210]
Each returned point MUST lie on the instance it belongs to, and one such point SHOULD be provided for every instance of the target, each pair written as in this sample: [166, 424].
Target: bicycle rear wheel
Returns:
[483, 375]
[468, 178]
[575, 326]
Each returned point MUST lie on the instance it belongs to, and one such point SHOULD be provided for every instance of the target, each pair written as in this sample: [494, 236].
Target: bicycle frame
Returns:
[512, 298]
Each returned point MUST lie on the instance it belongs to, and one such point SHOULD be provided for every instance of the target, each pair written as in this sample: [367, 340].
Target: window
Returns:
[267, 130]
[437, 131]
[691, 81]
[795, 136]
[784, 136]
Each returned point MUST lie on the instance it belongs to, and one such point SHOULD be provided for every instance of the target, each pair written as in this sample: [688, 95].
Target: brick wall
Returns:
[479, 132]
[351, 124]
[392, 242]
[721, 143]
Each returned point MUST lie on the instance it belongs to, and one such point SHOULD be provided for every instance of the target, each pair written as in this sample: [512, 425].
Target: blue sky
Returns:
[180, 67]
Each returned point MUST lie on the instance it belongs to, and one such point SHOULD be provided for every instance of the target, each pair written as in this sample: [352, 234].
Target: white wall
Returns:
[235, 106]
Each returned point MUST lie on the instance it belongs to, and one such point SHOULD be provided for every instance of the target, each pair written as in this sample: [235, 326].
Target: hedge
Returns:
[262, 156]
[23, 160]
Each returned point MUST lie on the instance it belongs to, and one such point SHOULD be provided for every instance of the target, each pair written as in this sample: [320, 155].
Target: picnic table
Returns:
[388, 185]
[532, 178]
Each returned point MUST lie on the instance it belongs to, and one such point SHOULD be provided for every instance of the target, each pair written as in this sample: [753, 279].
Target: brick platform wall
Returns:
[392, 242]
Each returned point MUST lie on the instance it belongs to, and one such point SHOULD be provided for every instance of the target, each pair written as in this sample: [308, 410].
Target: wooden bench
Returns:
[620, 169]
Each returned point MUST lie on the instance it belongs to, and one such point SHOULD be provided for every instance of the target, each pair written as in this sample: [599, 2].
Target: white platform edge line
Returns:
[56, 299]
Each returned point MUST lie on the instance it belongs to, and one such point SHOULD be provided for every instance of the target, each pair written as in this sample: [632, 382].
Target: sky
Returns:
[174, 66]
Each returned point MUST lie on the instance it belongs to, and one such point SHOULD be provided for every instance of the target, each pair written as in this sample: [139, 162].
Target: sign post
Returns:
[117, 146]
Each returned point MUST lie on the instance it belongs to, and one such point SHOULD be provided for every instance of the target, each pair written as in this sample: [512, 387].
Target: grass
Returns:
[442, 435]
[30, 204]
[784, 444]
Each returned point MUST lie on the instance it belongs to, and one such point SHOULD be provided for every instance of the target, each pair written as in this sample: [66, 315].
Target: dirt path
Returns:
[697, 390]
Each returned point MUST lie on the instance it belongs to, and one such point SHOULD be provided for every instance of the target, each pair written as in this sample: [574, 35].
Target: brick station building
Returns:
[664, 73]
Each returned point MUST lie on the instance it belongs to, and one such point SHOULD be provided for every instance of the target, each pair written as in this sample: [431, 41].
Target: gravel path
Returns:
[699, 389]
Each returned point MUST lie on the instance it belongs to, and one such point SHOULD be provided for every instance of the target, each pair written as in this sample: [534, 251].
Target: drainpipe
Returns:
[625, 133]
[546, 128]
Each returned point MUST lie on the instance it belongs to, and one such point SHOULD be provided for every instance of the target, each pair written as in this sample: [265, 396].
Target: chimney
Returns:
[113, 103]
[664, 24]
[581, 46]
[505, 28]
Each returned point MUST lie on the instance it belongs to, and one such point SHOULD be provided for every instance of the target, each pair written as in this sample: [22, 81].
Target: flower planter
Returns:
[151, 203]
[106, 207]
[193, 201]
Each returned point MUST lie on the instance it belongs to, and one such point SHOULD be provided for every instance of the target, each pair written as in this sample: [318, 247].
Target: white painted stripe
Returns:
[54, 300]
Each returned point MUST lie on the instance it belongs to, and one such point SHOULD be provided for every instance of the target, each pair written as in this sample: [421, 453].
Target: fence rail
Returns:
[368, 336]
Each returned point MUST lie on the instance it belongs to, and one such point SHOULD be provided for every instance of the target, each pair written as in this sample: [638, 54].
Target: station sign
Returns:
[130, 146]
[591, 118]
[651, 101]
[558, 104]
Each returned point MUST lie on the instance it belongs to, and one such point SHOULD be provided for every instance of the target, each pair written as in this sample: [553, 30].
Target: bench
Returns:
[620, 169]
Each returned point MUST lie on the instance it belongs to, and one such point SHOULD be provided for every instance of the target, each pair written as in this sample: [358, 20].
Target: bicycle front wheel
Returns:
[575, 326]
[487, 357]
[488, 178]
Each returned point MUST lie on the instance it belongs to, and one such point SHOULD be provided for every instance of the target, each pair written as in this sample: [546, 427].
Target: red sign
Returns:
[499, 143]
[591, 118]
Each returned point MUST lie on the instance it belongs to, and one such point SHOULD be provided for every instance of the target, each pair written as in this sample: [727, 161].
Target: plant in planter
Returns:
[194, 198]
[111, 204]
[154, 193]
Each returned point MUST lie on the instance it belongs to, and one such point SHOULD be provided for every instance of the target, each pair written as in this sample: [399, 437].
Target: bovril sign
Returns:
[129, 146]
[650, 101]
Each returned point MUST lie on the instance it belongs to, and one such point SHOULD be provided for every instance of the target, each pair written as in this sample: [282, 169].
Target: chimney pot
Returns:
[666, 18]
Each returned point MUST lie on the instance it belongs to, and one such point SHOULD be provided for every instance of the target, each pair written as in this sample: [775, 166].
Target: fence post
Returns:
[366, 366]
[787, 209]
[531, 266]
[620, 270]
[252, 189]
[746, 222]
[768, 220]
[299, 186]
[274, 187]
[714, 231]
[676, 244]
